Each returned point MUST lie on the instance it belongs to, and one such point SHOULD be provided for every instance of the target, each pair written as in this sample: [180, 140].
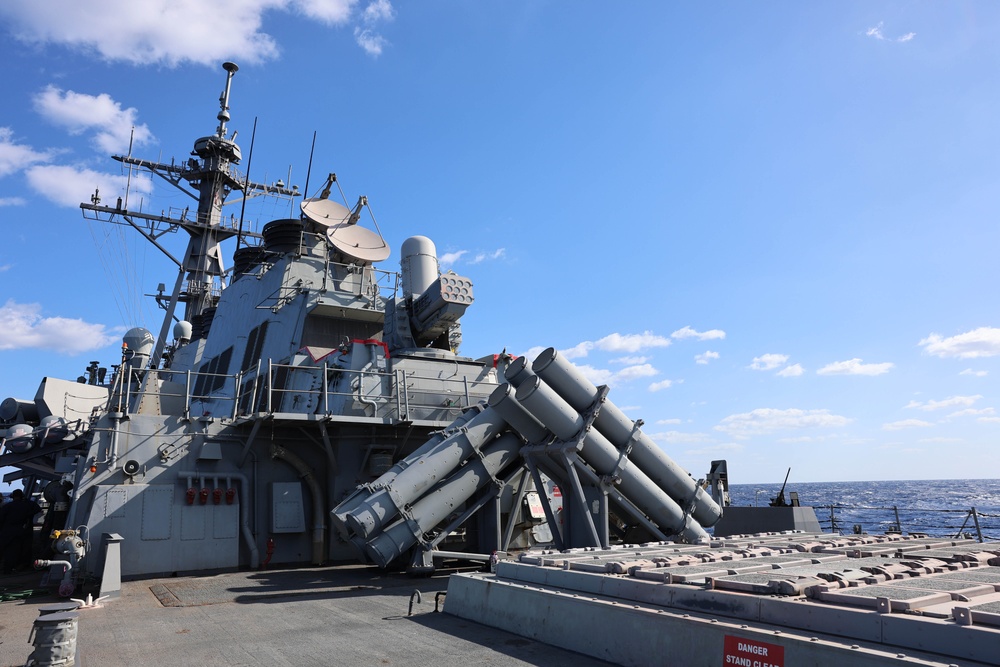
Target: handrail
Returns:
[393, 393]
[888, 518]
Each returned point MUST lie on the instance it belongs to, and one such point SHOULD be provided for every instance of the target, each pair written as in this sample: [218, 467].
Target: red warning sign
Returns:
[740, 652]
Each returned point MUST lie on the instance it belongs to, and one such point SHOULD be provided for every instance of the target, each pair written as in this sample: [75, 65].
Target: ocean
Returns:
[936, 507]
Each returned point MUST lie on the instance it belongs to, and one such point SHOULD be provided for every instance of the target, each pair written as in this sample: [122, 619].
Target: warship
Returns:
[303, 410]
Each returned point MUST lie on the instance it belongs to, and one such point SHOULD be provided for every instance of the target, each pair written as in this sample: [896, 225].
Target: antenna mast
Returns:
[211, 174]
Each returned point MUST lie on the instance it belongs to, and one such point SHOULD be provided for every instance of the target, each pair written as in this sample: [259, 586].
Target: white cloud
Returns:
[633, 372]
[766, 362]
[631, 342]
[372, 42]
[449, 258]
[712, 452]
[15, 157]
[113, 127]
[330, 12]
[379, 10]
[165, 32]
[989, 420]
[981, 342]
[578, 350]
[768, 420]
[155, 32]
[688, 332]
[799, 439]
[22, 326]
[68, 186]
[13, 201]
[631, 361]
[598, 376]
[367, 38]
[173, 32]
[792, 371]
[677, 437]
[972, 412]
[706, 357]
[877, 33]
[617, 342]
[534, 352]
[951, 402]
[906, 423]
[601, 376]
[978, 374]
[661, 385]
[666, 422]
[854, 367]
[499, 253]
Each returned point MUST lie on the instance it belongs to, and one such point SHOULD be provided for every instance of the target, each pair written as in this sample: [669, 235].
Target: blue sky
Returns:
[770, 227]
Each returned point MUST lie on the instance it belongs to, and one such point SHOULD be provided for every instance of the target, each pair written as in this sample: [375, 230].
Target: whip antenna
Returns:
[246, 185]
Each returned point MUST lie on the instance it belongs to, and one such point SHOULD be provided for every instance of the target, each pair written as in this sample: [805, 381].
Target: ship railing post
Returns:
[406, 396]
[236, 394]
[402, 399]
[187, 394]
[899, 526]
[326, 273]
[326, 388]
[399, 405]
[465, 387]
[268, 386]
[975, 518]
[252, 407]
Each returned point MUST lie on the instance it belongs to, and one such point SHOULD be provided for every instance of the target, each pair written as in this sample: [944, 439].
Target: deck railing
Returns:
[956, 522]
[396, 395]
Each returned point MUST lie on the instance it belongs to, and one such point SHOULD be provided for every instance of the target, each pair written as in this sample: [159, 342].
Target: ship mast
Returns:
[214, 178]
[208, 176]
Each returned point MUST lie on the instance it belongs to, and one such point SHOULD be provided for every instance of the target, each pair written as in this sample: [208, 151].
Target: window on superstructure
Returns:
[202, 381]
[255, 345]
[221, 369]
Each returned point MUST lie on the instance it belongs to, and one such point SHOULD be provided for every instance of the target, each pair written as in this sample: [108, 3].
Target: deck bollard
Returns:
[54, 639]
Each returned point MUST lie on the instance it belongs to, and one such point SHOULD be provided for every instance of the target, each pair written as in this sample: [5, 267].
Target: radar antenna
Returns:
[340, 225]
[231, 69]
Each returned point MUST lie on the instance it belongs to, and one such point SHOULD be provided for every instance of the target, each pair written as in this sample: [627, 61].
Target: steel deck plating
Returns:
[812, 598]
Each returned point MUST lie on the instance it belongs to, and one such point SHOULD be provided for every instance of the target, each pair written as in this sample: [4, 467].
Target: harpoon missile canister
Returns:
[518, 371]
[338, 514]
[559, 417]
[502, 400]
[382, 506]
[580, 393]
[448, 496]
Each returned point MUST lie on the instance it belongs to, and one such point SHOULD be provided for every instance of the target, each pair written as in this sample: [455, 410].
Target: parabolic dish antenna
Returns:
[349, 238]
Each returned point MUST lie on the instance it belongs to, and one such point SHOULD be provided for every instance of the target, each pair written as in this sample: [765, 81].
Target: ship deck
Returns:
[768, 599]
[761, 600]
[349, 615]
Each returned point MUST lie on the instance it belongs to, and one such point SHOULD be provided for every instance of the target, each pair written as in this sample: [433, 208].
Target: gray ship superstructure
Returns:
[312, 408]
